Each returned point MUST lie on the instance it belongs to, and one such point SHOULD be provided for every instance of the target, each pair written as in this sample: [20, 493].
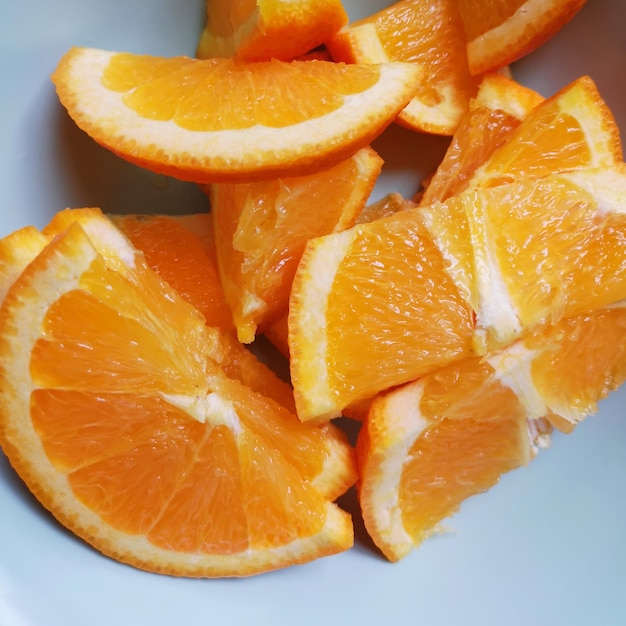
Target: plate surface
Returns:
[546, 546]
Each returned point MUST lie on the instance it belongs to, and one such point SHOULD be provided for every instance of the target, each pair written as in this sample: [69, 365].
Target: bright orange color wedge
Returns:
[533, 252]
[502, 31]
[497, 110]
[219, 120]
[277, 331]
[432, 285]
[181, 249]
[261, 230]
[573, 129]
[428, 34]
[117, 415]
[261, 30]
[428, 446]
[387, 283]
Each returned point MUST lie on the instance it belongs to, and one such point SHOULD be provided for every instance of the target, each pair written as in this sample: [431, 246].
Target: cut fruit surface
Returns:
[533, 252]
[387, 283]
[181, 250]
[417, 463]
[261, 30]
[219, 120]
[497, 110]
[261, 230]
[428, 34]
[140, 443]
[573, 129]
[431, 285]
[429, 445]
[502, 31]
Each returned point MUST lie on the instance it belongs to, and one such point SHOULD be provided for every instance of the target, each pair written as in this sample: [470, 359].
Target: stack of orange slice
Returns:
[452, 324]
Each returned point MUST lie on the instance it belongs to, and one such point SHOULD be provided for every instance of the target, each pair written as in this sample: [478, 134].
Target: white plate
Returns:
[545, 547]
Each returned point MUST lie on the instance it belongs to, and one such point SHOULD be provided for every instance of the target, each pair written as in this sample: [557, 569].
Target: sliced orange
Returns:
[219, 120]
[116, 413]
[181, 257]
[416, 465]
[502, 31]
[497, 110]
[432, 285]
[387, 205]
[261, 30]
[277, 331]
[17, 250]
[370, 308]
[261, 229]
[181, 250]
[573, 129]
[429, 35]
[428, 446]
[577, 363]
[533, 252]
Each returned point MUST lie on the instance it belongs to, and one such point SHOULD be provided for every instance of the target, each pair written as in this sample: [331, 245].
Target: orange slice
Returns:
[573, 129]
[176, 250]
[115, 412]
[387, 205]
[428, 446]
[388, 284]
[429, 35]
[218, 120]
[432, 285]
[417, 466]
[261, 229]
[261, 30]
[503, 31]
[181, 250]
[533, 252]
[497, 110]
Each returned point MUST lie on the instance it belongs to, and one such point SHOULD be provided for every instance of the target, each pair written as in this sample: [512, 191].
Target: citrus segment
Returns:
[139, 424]
[582, 361]
[387, 283]
[571, 130]
[428, 34]
[261, 30]
[500, 32]
[181, 258]
[17, 250]
[429, 445]
[178, 116]
[261, 230]
[532, 252]
[497, 110]
[181, 250]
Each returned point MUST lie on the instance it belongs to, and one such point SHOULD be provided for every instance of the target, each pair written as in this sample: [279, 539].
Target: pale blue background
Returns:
[545, 547]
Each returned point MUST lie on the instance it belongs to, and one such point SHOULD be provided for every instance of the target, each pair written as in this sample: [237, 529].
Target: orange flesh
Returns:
[481, 17]
[478, 432]
[558, 136]
[424, 323]
[452, 461]
[164, 473]
[439, 48]
[480, 133]
[558, 253]
[181, 259]
[262, 229]
[588, 360]
[150, 89]
[186, 260]
[224, 15]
